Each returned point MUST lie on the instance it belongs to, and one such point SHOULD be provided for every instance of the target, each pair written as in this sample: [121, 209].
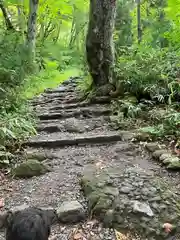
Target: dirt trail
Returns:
[76, 136]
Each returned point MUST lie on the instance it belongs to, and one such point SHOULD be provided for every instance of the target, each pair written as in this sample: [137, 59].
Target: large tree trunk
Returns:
[6, 17]
[99, 40]
[31, 33]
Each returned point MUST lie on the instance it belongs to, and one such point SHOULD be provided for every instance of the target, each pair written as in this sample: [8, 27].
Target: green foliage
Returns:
[59, 53]
[85, 85]
[149, 73]
[169, 127]
[49, 78]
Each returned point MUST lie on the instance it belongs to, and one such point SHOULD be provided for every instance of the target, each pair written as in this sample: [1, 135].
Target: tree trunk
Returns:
[139, 29]
[6, 17]
[99, 40]
[31, 33]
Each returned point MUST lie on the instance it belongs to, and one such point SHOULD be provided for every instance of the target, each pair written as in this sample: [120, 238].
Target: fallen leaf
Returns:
[120, 236]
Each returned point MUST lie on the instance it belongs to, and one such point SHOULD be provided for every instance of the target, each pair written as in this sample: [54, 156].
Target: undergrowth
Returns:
[150, 81]
[19, 82]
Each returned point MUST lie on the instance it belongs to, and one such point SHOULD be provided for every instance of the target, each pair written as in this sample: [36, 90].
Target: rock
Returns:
[142, 136]
[165, 156]
[156, 154]
[72, 126]
[126, 189]
[124, 147]
[111, 191]
[152, 147]
[143, 208]
[174, 163]
[3, 218]
[103, 204]
[171, 159]
[29, 168]
[34, 155]
[108, 218]
[71, 212]
[126, 135]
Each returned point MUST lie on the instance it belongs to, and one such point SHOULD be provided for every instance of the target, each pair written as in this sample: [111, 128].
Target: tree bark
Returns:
[6, 17]
[99, 40]
[31, 33]
[139, 29]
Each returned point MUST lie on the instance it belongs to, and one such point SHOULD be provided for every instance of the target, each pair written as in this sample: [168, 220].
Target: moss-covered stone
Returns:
[29, 168]
[174, 163]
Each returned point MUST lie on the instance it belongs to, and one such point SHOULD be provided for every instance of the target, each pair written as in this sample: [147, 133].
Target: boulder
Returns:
[71, 212]
[29, 169]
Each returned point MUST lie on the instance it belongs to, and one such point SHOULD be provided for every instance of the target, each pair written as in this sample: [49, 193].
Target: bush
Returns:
[150, 73]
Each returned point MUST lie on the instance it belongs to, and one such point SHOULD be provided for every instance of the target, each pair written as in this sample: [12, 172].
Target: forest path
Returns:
[75, 136]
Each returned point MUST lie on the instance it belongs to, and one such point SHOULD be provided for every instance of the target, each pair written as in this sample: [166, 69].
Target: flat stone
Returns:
[111, 191]
[110, 136]
[71, 212]
[126, 189]
[143, 208]
[152, 147]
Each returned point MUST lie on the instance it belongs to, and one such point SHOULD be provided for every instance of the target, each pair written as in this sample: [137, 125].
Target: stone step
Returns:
[81, 112]
[70, 107]
[60, 100]
[60, 89]
[58, 104]
[61, 140]
[74, 125]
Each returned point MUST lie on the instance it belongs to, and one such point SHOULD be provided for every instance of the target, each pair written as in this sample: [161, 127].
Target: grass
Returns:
[48, 78]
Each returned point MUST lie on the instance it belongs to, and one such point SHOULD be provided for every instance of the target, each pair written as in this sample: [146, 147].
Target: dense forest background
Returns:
[43, 43]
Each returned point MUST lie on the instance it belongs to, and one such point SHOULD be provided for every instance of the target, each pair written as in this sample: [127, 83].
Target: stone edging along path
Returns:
[77, 150]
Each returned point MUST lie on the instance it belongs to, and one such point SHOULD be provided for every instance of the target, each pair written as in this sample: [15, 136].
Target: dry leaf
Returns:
[120, 236]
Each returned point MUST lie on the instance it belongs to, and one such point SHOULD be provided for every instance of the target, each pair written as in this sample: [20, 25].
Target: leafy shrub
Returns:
[168, 127]
[150, 73]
